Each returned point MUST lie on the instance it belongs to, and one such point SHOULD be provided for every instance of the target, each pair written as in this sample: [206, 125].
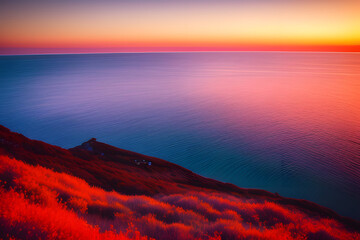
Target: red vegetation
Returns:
[114, 169]
[36, 202]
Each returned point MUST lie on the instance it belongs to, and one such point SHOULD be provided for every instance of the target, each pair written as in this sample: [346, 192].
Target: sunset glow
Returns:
[144, 26]
[179, 119]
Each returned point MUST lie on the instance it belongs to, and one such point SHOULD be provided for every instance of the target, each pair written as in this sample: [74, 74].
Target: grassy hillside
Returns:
[97, 191]
[36, 202]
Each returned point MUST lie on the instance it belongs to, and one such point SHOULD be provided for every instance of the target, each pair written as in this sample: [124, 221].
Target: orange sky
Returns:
[180, 26]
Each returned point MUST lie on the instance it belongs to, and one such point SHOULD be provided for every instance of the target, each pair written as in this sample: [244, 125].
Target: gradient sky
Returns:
[42, 26]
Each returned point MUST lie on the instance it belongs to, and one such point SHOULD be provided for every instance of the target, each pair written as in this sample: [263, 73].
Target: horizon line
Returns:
[194, 51]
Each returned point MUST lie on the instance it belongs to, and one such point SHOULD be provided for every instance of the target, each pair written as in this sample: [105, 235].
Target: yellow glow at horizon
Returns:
[305, 24]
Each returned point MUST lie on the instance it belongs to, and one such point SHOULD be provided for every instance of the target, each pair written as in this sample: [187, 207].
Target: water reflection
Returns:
[285, 122]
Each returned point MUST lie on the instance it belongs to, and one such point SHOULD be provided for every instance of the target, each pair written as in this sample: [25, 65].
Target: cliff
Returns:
[126, 172]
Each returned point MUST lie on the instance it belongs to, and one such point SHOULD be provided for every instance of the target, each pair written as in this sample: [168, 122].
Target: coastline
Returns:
[94, 161]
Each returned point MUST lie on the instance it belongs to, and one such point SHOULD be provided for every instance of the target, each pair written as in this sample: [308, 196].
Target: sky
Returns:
[47, 26]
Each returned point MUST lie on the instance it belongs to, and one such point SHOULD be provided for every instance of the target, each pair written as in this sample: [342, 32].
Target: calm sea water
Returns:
[284, 122]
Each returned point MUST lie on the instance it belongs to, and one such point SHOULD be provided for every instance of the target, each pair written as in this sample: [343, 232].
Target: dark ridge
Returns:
[127, 172]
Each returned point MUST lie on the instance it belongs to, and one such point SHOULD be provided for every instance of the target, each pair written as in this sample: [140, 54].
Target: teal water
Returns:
[284, 122]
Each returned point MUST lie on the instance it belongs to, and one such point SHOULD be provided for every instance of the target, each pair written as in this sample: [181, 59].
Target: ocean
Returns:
[285, 122]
